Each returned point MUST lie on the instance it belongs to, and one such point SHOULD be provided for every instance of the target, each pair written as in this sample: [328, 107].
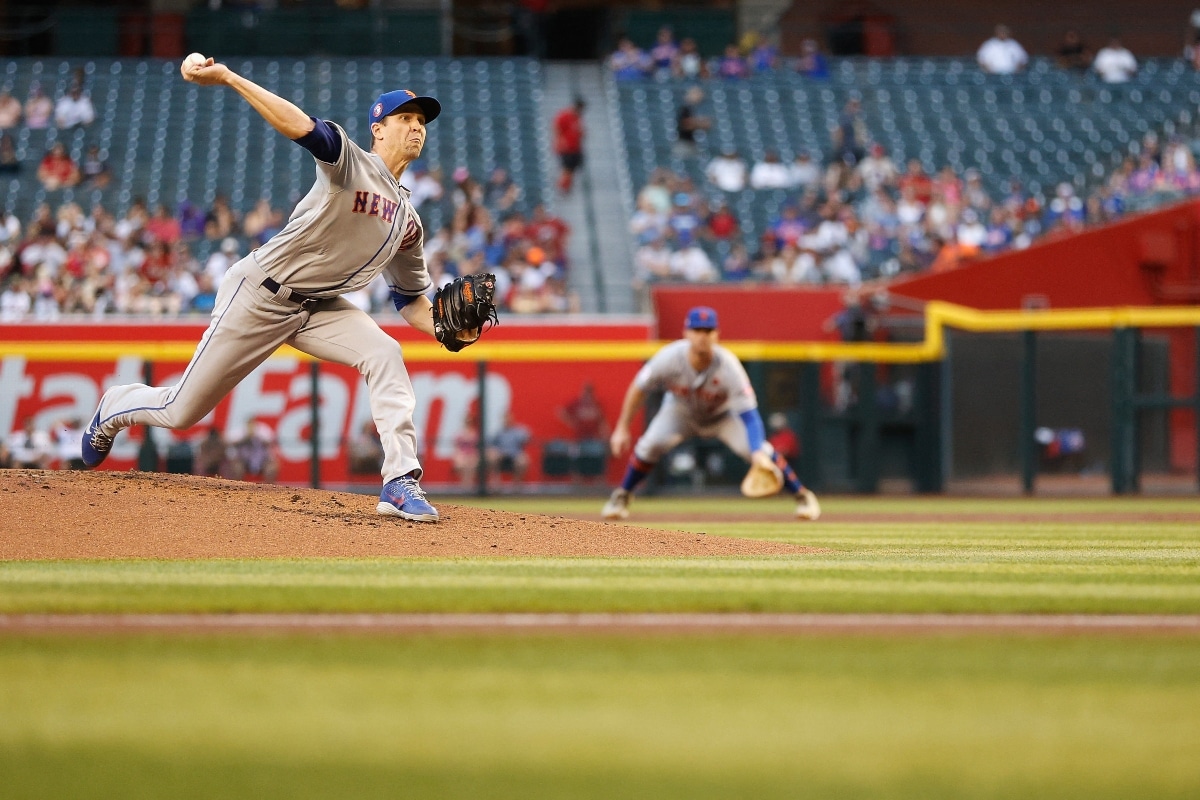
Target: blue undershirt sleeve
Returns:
[322, 141]
[755, 431]
[401, 300]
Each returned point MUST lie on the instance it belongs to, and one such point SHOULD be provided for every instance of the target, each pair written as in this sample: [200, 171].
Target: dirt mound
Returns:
[63, 515]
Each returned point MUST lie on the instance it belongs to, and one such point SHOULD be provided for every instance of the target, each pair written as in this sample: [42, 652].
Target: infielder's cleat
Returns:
[96, 443]
[402, 497]
[617, 506]
[808, 507]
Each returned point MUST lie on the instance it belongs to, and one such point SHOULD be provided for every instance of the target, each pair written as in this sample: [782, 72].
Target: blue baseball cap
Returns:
[701, 317]
[388, 102]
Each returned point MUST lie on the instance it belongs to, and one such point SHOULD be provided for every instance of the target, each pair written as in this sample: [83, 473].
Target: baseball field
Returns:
[174, 636]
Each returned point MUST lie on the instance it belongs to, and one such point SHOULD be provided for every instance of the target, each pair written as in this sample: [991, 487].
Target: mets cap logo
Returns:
[377, 110]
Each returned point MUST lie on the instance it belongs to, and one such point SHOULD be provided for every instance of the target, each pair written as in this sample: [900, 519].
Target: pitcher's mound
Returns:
[56, 515]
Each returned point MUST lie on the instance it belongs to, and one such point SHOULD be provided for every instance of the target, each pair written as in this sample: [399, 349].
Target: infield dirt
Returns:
[84, 515]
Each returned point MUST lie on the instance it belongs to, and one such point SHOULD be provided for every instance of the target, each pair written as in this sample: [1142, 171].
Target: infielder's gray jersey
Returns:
[704, 403]
[355, 221]
[722, 388]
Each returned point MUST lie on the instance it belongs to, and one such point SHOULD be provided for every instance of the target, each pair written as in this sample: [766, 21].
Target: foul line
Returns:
[782, 623]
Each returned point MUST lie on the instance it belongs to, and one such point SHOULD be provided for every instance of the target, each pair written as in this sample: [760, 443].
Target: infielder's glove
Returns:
[463, 309]
[765, 478]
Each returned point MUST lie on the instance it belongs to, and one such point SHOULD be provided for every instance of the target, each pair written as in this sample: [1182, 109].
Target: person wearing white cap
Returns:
[355, 223]
[706, 393]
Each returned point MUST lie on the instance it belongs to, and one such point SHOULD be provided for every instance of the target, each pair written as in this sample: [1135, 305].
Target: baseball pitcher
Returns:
[355, 223]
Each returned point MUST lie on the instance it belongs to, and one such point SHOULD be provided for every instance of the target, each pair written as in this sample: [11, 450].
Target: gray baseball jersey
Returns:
[355, 222]
[695, 403]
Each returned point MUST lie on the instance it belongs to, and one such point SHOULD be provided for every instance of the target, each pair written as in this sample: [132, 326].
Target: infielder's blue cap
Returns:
[701, 317]
[388, 102]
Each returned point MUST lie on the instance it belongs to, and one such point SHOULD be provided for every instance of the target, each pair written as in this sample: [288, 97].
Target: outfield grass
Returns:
[600, 716]
[903, 555]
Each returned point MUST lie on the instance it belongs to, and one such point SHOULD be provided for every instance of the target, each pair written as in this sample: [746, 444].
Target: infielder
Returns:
[355, 222]
[707, 393]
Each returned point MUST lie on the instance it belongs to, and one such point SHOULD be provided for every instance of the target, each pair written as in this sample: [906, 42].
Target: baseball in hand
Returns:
[192, 63]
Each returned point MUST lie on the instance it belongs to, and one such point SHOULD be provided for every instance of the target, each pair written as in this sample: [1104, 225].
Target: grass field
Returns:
[755, 714]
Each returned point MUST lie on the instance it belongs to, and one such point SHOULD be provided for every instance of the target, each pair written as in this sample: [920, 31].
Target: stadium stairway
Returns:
[598, 209]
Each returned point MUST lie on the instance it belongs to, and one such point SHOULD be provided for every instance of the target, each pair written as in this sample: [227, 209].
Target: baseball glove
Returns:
[764, 479]
[463, 309]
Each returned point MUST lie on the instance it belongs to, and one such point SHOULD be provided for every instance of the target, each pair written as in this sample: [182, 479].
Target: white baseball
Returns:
[194, 60]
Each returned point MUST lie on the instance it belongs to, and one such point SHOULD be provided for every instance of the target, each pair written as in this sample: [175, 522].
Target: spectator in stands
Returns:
[1002, 54]
[792, 265]
[30, 447]
[364, 451]
[664, 53]
[647, 222]
[804, 171]
[205, 298]
[770, 173]
[689, 263]
[628, 62]
[212, 456]
[68, 443]
[731, 65]
[9, 163]
[262, 222]
[255, 454]
[727, 171]
[10, 110]
[689, 64]
[426, 184]
[568, 143]
[16, 301]
[1114, 63]
[651, 263]
[221, 259]
[584, 416]
[508, 446]
[689, 122]
[812, 62]
[1072, 54]
[877, 169]
[74, 109]
[38, 108]
[722, 223]
[162, 226]
[781, 437]
[1191, 40]
[762, 53]
[737, 264]
[850, 135]
[221, 220]
[57, 169]
[465, 460]
[93, 170]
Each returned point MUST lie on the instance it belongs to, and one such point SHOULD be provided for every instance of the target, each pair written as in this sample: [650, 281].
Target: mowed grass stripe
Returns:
[673, 716]
[594, 585]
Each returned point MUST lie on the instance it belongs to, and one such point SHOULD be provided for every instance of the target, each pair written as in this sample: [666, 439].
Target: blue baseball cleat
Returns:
[96, 443]
[402, 497]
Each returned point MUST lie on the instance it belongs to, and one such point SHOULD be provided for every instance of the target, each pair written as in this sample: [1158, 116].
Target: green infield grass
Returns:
[876, 555]
[600, 716]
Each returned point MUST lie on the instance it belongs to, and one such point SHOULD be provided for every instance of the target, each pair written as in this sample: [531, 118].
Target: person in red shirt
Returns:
[919, 180]
[57, 170]
[568, 143]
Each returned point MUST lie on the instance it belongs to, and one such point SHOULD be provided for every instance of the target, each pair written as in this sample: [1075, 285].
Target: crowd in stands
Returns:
[848, 221]
[167, 261]
[854, 214]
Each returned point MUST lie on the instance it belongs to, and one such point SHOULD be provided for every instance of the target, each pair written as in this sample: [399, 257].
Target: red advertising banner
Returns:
[279, 394]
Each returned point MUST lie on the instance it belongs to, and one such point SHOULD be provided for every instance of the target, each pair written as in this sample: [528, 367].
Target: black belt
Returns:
[273, 286]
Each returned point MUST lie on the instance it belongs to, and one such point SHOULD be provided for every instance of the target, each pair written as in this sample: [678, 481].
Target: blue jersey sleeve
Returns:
[322, 141]
[755, 431]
